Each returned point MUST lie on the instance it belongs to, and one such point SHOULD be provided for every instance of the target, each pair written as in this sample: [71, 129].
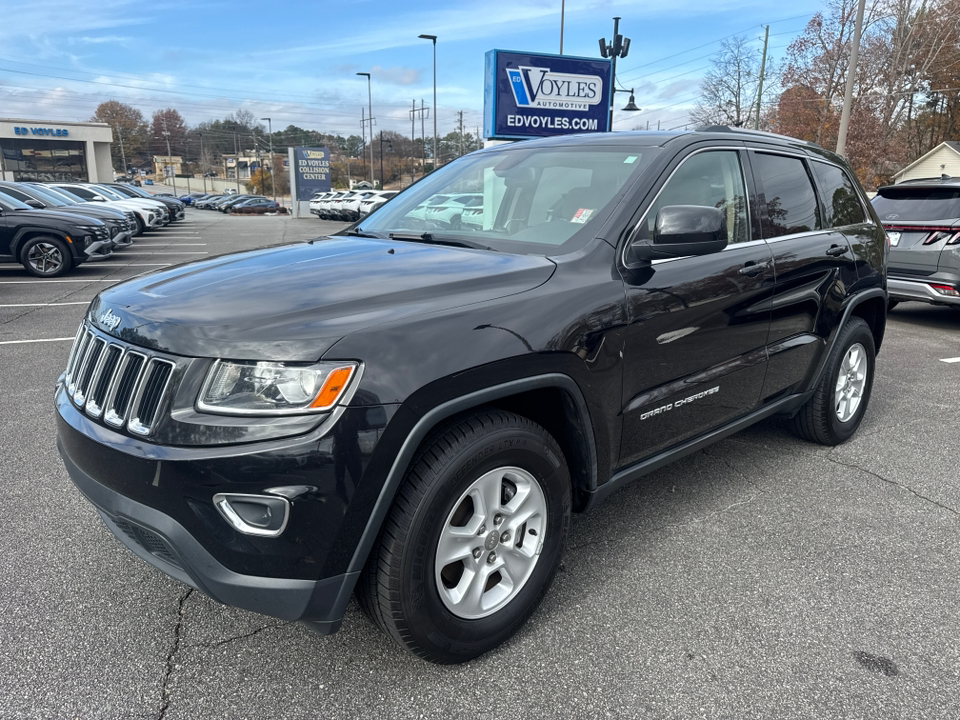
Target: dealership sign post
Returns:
[527, 95]
[309, 174]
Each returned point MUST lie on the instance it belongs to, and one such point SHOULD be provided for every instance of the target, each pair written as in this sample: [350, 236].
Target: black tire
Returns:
[140, 226]
[820, 419]
[891, 304]
[46, 257]
[398, 588]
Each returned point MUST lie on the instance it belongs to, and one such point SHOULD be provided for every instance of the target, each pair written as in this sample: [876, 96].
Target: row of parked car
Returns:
[348, 205]
[51, 228]
[235, 203]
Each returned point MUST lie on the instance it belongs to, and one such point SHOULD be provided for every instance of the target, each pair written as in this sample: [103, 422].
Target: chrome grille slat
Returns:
[128, 378]
[149, 395]
[90, 361]
[118, 384]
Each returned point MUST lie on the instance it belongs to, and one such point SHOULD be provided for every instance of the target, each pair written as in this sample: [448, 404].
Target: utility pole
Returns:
[381, 159]
[123, 155]
[203, 172]
[763, 66]
[851, 76]
[236, 160]
[423, 138]
[273, 185]
[563, 7]
[460, 134]
[363, 137]
[173, 170]
[413, 139]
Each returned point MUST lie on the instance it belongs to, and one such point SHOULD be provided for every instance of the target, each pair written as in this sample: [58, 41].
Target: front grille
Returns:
[116, 382]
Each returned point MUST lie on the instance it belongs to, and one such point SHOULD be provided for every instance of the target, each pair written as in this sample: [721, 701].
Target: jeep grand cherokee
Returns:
[414, 415]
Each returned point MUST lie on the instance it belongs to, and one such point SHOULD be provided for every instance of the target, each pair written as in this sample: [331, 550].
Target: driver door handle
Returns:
[837, 250]
[752, 268]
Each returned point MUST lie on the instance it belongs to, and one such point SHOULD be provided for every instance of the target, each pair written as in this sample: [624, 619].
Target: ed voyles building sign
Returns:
[527, 95]
[55, 132]
[312, 171]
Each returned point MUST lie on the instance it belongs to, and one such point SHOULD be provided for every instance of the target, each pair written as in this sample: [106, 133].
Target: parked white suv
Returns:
[150, 213]
[371, 203]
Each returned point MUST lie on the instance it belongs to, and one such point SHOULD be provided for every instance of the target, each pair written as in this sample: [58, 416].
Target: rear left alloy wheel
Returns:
[840, 399]
[473, 540]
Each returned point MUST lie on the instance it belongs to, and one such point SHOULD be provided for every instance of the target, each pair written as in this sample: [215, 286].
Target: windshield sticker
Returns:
[582, 215]
[630, 160]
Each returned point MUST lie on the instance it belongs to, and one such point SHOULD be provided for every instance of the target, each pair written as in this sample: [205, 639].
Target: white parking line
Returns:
[179, 244]
[168, 252]
[82, 302]
[21, 342]
[57, 282]
[950, 360]
[149, 264]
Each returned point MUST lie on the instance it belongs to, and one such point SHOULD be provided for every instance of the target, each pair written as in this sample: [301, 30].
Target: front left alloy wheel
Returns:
[473, 539]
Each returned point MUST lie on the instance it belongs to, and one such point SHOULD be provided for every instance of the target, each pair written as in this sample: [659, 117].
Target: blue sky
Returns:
[296, 62]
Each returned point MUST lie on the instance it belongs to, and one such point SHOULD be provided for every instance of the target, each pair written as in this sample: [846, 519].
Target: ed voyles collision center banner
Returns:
[527, 95]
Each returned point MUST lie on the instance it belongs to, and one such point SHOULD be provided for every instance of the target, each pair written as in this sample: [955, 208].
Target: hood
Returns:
[56, 215]
[293, 302]
[101, 213]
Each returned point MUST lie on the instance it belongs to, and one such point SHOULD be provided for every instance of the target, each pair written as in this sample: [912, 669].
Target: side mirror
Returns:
[683, 230]
[34, 204]
[99, 198]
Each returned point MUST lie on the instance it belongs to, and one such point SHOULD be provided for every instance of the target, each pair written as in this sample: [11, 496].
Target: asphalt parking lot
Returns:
[761, 578]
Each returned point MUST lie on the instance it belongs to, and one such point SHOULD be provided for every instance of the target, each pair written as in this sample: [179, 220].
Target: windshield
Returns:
[48, 198]
[11, 203]
[108, 193]
[917, 203]
[544, 201]
[66, 195]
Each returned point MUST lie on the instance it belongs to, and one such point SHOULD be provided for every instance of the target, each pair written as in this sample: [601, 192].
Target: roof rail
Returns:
[748, 131]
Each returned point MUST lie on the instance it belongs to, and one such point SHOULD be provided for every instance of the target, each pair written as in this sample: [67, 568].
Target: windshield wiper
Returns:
[358, 232]
[435, 240]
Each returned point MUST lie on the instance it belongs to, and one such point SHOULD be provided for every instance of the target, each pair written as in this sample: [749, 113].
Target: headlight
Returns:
[88, 228]
[274, 388]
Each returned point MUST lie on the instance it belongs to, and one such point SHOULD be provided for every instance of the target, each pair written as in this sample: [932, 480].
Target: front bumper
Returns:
[901, 288]
[157, 500]
[164, 543]
[99, 250]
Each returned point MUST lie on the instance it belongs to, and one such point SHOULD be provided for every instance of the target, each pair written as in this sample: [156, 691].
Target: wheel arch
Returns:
[532, 397]
[27, 233]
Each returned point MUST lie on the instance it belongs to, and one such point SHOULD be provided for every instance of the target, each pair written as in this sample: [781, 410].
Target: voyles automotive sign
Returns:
[527, 95]
[312, 171]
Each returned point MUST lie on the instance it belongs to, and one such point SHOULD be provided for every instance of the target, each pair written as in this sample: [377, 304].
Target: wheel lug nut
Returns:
[477, 553]
[497, 519]
[492, 557]
[505, 537]
[482, 530]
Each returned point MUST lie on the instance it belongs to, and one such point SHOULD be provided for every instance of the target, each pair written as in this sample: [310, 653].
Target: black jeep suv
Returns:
[414, 414]
[48, 243]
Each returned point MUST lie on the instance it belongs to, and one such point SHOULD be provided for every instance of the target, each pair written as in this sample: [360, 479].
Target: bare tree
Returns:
[729, 90]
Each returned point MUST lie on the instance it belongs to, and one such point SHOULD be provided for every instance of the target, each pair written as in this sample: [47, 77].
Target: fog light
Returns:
[259, 515]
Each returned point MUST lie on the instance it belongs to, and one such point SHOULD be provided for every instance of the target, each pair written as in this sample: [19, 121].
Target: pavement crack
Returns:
[171, 657]
[229, 640]
[909, 489]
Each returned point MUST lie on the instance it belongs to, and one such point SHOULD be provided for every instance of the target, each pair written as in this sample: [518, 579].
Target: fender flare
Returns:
[856, 300]
[440, 413]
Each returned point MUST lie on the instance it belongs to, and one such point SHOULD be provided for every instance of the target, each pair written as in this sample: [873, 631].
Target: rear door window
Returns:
[788, 202]
[840, 195]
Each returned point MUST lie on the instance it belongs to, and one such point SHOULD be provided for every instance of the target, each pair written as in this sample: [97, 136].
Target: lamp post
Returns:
[433, 38]
[619, 47]
[631, 105]
[370, 120]
[273, 184]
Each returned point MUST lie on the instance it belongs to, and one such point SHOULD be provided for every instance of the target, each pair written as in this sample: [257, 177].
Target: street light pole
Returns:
[618, 47]
[433, 38]
[273, 184]
[370, 120]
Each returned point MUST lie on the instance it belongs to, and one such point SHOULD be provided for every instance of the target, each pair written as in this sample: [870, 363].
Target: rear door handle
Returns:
[752, 268]
[837, 250]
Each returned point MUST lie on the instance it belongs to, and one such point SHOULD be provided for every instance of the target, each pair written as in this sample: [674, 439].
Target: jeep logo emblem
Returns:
[108, 320]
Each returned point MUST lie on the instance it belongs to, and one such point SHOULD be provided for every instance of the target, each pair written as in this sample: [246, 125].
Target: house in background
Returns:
[944, 159]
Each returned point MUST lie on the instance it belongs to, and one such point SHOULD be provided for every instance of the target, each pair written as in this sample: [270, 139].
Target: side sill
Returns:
[644, 467]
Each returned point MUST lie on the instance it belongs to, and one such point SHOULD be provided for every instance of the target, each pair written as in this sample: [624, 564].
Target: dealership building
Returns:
[62, 151]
